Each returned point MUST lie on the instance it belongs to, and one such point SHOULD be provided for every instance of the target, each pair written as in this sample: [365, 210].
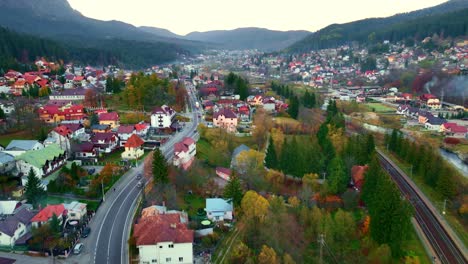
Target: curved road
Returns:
[448, 251]
[111, 225]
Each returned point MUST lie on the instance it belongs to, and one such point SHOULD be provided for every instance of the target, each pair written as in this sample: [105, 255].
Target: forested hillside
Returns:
[449, 19]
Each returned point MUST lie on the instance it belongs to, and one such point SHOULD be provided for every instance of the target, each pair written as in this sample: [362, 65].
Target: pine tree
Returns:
[55, 225]
[34, 192]
[370, 148]
[271, 159]
[337, 179]
[233, 190]
[293, 108]
[160, 168]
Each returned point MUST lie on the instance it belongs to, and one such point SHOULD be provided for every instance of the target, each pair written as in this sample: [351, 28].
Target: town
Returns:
[346, 154]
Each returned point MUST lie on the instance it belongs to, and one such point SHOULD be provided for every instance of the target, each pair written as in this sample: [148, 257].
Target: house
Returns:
[111, 119]
[223, 173]
[105, 142]
[226, 119]
[403, 109]
[61, 136]
[184, 153]
[133, 148]
[162, 209]
[269, 104]
[77, 131]
[162, 238]
[43, 161]
[141, 129]
[434, 123]
[124, 132]
[46, 214]
[57, 114]
[8, 207]
[75, 210]
[431, 101]
[7, 162]
[14, 229]
[256, 100]
[84, 151]
[218, 209]
[453, 130]
[69, 95]
[236, 153]
[423, 117]
[100, 128]
[357, 176]
[20, 146]
[162, 117]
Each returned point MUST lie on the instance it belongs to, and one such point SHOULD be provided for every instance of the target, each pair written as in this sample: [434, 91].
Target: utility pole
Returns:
[321, 240]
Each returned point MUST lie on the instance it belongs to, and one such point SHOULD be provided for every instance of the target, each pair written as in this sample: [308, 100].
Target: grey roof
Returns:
[24, 216]
[6, 158]
[238, 150]
[19, 144]
[9, 226]
[218, 205]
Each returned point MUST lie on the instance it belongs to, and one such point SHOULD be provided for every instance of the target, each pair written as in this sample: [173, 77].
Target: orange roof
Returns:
[134, 141]
[47, 213]
[357, 173]
[161, 228]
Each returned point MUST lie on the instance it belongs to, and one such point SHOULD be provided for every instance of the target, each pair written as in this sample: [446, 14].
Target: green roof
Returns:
[38, 158]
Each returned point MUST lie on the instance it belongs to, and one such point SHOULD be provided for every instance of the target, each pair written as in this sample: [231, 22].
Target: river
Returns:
[455, 161]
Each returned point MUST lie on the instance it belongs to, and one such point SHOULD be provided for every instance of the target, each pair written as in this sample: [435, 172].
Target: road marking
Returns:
[113, 222]
[124, 251]
[107, 213]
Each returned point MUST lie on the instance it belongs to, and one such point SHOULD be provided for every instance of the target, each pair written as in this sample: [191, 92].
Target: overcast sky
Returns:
[184, 16]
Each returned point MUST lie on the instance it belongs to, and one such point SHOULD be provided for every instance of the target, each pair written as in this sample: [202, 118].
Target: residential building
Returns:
[133, 148]
[223, 173]
[84, 151]
[69, 95]
[434, 123]
[111, 119]
[75, 211]
[46, 214]
[184, 153]
[142, 129]
[124, 132]
[20, 146]
[162, 117]
[452, 130]
[105, 142]
[100, 128]
[77, 130]
[357, 176]
[14, 229]
[226, 119]
[218, 209]
[7, 162]
[61, 136]
[57, 114]
[162, 238]
[161, 210]
[43, 161]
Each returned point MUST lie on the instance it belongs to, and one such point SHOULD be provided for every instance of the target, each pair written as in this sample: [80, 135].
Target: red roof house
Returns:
[47, 213]
[357, 174]
[134, 142]
[162, 228]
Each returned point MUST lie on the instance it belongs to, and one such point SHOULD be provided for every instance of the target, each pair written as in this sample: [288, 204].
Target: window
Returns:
[168, 259]
[181, 259]
[160, 246]
[171, 246]
[154, 260]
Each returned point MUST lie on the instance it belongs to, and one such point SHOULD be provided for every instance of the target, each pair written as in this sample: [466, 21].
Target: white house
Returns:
[42, 161]
[18, 146]
[184, 153]
[47, 213]
[124, 132]
[133, 148]
[84, 151]
[75, 210]
[15, 228]
[218, 209]
[162, 238]
[105, 142]
[162, 117]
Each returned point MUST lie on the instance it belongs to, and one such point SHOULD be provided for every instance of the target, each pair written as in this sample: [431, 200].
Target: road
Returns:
[110, 226]
[445, 246]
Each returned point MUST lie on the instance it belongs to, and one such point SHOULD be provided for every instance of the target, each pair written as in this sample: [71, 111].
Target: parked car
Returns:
[77, 249]
[86, 232]
[91, 171]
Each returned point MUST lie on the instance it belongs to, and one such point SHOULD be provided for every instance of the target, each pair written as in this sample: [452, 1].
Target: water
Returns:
[456, 162]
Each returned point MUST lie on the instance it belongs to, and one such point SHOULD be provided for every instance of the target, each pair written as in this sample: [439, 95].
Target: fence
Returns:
[14, 248]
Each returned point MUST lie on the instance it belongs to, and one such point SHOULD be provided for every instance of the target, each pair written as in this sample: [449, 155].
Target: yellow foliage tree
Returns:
[287, 259]
[294, 201]
[250, 162]
[278, 139]
[276, 178]
[337, 137]
[267, 256]
[310, 180]
[254, 205]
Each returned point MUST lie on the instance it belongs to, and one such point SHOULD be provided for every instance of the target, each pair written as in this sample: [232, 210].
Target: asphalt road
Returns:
[448, 251]
[110, 226]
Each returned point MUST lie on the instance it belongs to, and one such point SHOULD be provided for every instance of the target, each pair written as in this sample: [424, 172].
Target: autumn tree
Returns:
[311, 180]
[254, 206]
[34, 192]
[262, 124]
[249, 165]
[268, 256]
[90, 99]
[240, 253]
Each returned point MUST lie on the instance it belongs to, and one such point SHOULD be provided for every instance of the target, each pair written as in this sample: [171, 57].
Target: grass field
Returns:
[91, 205]
[6, 138]
[415, 250]
[380, 108]
[191, 203]
[286, 121]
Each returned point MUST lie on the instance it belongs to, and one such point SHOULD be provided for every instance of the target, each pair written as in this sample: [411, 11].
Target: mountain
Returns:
[160, 32]
[391, 28]
[55, 19]
[249, 38]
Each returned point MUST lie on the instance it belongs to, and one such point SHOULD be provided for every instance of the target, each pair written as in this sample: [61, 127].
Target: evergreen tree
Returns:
[34, 192]
[370, 148]
[109, 84]
[55, 226]
[337, 179]
[285, 158]
[293, 108]
[233, 190]
[160, 168]
[271, 159]
[2, 114]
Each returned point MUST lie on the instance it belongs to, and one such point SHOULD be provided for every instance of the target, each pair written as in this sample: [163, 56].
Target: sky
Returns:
[185, 16]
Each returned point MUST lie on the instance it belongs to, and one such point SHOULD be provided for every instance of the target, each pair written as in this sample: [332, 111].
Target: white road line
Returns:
[128, 230]
[113, 222]
[105, 217]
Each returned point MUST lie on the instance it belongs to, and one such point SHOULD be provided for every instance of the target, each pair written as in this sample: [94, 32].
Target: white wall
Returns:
[165, 121]
[6, 240]
[180, 250]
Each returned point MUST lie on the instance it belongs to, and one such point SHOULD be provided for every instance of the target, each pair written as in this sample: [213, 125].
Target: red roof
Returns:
[125, 129]
[225, 171]
[63, 130]
[162, 228]
[227, 113]
[458, 129]
[47, 213]
[140, 127]
[357, 173]
[183, 145]
[134, 142]
[112, 116]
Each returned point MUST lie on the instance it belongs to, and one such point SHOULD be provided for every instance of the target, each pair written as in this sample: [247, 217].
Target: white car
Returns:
[77, 249]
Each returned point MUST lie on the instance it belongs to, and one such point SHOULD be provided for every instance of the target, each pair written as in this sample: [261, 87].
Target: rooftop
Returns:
[38, 158]
[162, 228]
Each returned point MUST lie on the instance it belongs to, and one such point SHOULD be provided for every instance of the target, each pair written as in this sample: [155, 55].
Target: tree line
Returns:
[237, 84]
[307, 100]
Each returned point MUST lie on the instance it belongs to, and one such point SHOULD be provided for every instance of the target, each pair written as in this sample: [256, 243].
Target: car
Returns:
[138, 176]
[91, 171]
[78, 248]
[140, 184]
[86, 232]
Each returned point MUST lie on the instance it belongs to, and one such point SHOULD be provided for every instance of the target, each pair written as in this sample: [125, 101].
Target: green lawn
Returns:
[379, 107]
[91, 205]
[203, 148]
[191, 203]
[114, 157]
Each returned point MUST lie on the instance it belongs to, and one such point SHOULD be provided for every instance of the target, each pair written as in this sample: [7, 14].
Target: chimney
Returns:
[173, 226]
